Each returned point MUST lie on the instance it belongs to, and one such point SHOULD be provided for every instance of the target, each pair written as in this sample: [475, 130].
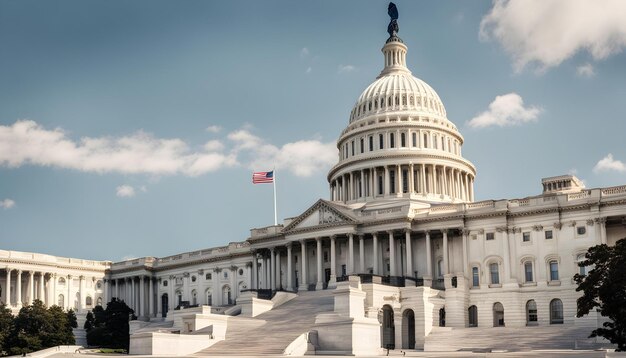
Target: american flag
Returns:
[263, 177]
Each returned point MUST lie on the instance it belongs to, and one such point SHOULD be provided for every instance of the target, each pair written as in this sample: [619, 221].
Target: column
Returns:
[333, 263]
[465, 258]
[399, 180]
[352, 187]
[41, 295]
[411, 179]
[159, 309]
[117, 288]
[409, 253]
[602, 224]
[433, 179]
[54, 289]
[320, 281]
[445, 181]
[31, 287]
[142, 297]
[303, 284]
[361, 254]
[350, 254]
[507, 256]
[81, 290]
[105, 291]
[151, 297]
[69, 292]
[255, 272]
[134, 294]
[289, 268]
[279, 283]
[18, 289]
[7, 290]
[272, 280]
[375, 253]
[445, 252]
[392, 255]
[171, 300]
[472, 189]
[386, 181]
[423, 179]
[429, 264]
[374, 182]
[266, 280]
[362, 184]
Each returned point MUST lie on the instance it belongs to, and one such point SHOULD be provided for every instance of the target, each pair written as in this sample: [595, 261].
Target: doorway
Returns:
[388, 328]
[408, 329]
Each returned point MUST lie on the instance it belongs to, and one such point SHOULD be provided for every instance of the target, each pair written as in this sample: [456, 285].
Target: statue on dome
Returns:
[393, 28]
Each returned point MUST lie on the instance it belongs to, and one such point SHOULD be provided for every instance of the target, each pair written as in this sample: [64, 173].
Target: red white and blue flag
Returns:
[262, 177]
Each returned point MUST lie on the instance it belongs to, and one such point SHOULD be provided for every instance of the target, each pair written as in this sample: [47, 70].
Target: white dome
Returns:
[398, 91]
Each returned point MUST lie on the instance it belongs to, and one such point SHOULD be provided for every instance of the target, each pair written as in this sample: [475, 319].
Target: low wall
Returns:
[160, 343]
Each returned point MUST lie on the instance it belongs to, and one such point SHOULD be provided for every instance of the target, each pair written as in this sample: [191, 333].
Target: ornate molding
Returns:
[538, 227]
[590, 222]
[600, 220]
[557, 225]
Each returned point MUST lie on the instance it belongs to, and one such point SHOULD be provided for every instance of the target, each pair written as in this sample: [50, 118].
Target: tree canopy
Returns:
[604, 289]
[109, 328]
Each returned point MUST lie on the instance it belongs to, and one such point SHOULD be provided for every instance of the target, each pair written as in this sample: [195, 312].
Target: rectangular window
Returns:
[381, 143]
[353, 148]
[371, 143]
[548, 234]
[392, 181]
[475, 277]
[526, 236]
[380, 185]
[490, 236]
[528, 270]
[402, 140]
[362, 146]
[495, 275]
[343, 270]
[405, 181]
[392, 141]
[581, 230]
[554, 271]
[414, 138]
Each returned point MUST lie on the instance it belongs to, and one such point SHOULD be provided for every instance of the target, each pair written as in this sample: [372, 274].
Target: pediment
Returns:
[321, 214]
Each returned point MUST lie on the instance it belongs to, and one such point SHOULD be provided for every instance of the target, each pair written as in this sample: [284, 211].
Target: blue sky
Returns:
[131, 128]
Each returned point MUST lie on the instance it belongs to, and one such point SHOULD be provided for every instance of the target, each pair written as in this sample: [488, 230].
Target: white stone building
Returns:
[401, 215]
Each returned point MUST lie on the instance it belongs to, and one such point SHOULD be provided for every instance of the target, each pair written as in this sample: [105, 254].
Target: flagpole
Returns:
[275, 213]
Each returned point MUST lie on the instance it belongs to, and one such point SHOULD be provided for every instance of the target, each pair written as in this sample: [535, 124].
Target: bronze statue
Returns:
[393, 28]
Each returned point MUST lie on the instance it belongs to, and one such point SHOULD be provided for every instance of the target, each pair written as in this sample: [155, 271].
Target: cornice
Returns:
[46, 264]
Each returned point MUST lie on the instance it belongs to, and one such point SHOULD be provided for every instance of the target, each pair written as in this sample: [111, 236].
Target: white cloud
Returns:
[7, 203]
[125, 191]
[346, 68]
[26, 142]
[506, 110]
[213, 129]
[609, 164]
[547, 32]
[304, 52]
[585, 71]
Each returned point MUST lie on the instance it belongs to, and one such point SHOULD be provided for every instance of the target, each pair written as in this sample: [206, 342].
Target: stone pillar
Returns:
[159, 309]
[272, 280]
[423, 179]
[386, 190]
[361, 254]
[392, 255]
[171, 300]
[151, 309]
[374, 182]
[117, 288]
[69, 291]
[133, 295]
[289, 268]
[352, 195]
[399, 180]
[142, 296]
[320, 280]
[81, 290]
[602, 224]
[375, 253]
[41, 294]
[429, 264]
[31, 287]
[54, 289]
[350, 254]
[333, 263]
[303, 278]
[255, 272]
[409, 253]
[18, 289]
[465, 257]
[411, 179]
[7, 289]
[506, 277]
[446, 267]
[266, 279]
[279, 282]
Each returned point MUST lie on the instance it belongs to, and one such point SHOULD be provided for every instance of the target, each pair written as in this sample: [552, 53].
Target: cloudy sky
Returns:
[131, 128]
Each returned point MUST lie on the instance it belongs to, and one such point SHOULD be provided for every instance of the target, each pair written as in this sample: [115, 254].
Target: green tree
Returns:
[6, 328]
[33, 327]
[604, 289]
[109, 328]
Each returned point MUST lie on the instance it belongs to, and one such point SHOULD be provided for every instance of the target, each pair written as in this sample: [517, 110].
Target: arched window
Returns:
[381, 142]
[498, 315]
[475, 277]
[362, 145]
[402, 140]
[494, 273]
[61, 281]
[88, 301]
[528, 271]
[582, 270]
[99, 302]
[472, 312]
[371, 143]
[556, 311]
[434, 141]
[209, 298]
[531, 313]
[392, 142]
[440, 268]
[61, 301]
[554, 270]
[164, 283]
[414, 139]
[425, 144]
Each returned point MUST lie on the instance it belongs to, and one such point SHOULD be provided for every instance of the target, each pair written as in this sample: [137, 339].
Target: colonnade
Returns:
[49, 288]
[422, 179]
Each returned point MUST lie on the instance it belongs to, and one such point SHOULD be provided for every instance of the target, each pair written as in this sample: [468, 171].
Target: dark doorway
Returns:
[164, 305]
[442, 317]
[498, 315]
[326, 275]
[389, 329]
[473, 316]
[408, 329]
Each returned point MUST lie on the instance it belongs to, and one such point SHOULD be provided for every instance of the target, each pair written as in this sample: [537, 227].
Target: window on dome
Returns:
[411, 100]
[352, 148]
[381, 143]
[391, 140]
[375, 104]
[404, 100]
[402, 140]
[414, 138]
[405, 181]
[397, 100]
[380, 184]
[449, 147]
[392, 182]
[434, 141]
[362, 146]
[370, 106]
[371, 143]
[389, 102]
[425, 145]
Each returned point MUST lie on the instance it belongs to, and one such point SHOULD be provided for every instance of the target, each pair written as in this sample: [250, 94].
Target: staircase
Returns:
[506, 338]
[271, 332]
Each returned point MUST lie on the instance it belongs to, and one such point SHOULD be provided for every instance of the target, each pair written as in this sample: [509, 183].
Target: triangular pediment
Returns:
[320, 214]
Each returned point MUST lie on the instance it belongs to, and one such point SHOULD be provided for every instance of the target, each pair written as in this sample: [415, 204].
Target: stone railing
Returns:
[481, 204]
[269, 230]
[615, 190]
[440, 208]
[577, 196]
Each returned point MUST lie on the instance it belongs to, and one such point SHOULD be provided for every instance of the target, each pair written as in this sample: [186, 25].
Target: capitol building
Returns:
[398, 256]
